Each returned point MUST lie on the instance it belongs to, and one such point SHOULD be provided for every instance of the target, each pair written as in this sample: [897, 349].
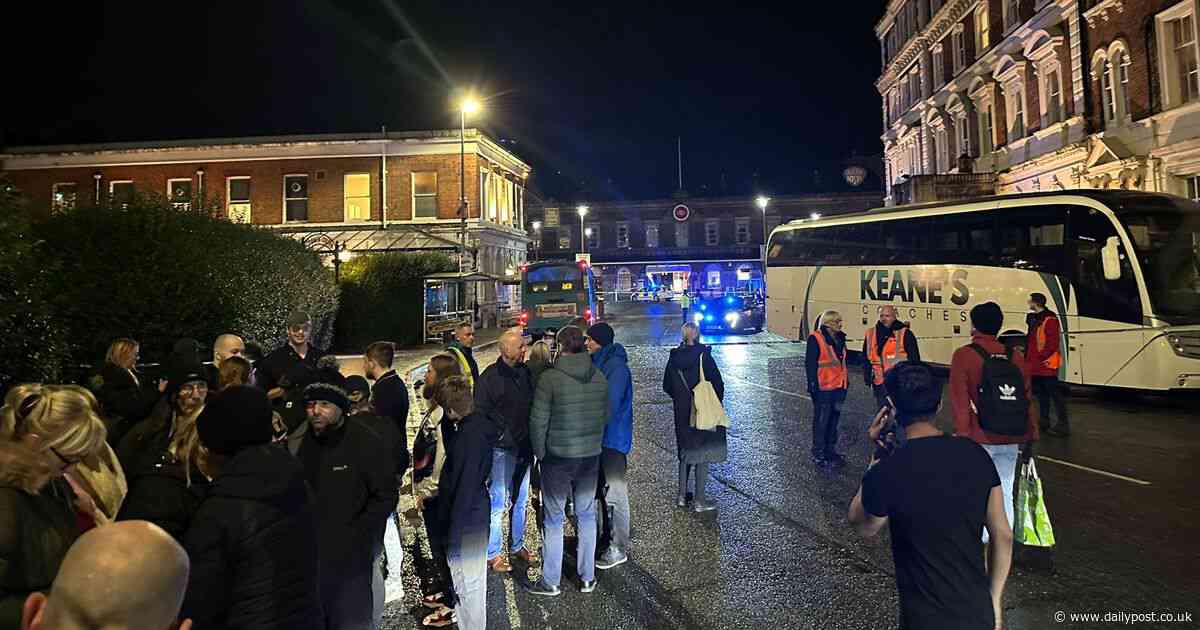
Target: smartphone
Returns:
[887, 436]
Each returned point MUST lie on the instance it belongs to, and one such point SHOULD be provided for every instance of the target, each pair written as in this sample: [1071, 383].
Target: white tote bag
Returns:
[707, 412]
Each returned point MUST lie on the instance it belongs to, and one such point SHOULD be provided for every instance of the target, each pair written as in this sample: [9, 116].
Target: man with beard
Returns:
[272, 370]
[890, 343]
[349, 467]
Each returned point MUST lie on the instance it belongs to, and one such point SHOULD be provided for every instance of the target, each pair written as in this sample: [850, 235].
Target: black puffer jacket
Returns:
[159, 487]
[504, 394]
[125, 400]
[35, 531]
[253, 546]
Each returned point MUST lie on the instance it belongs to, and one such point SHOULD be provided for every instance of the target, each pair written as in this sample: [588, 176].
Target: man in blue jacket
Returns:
[612, 361]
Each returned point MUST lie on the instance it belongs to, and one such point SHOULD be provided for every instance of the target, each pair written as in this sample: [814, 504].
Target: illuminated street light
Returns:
[469, 105]
[537, 242]
[762, 202]
[583, 210]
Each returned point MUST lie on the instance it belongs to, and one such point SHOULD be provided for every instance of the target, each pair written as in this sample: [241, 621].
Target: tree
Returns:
[382, 298]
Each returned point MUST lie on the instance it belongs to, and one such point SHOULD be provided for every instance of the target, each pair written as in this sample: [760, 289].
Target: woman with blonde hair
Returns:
[162, 455]
[538, 358]
[124, 396]
[45, 430]
[428, 458]
[695, 448]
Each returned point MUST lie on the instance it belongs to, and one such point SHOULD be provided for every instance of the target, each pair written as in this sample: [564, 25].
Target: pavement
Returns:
[778, 553]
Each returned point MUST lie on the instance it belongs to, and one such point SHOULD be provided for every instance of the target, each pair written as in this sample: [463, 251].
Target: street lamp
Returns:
[583, 210]
[762, 202]
[469, 105]
[537, 243]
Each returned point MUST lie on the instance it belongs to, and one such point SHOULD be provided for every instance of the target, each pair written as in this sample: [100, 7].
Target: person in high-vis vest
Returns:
[1043, 355]
[460, 349]
[889, 343]
[685, 301]
[828, 380]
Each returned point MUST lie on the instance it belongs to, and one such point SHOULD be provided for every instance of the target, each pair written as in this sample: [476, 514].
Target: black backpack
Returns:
[1003, 405]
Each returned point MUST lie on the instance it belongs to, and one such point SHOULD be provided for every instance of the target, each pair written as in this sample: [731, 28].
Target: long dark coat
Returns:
[683, 373]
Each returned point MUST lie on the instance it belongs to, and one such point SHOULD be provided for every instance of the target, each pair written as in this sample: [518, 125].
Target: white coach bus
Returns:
[1122, 270]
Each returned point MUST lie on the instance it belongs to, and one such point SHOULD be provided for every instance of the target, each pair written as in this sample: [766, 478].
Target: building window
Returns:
[1108, 108]
[424, 195]
[905, 95]
[943, 150]
[742, 231]
[964, 135]
[651, 235]
[939, 69]
[1193, 187]
[295, 197]
[985, 130]
[550, 217]
[63, 196]
[681, 234]
[1053, 90]
[1016, 108]
[1011, 13]
[1184, 44]
[564, 241]
[179, 191]
[623, 235]
[1121, 65]
[121, 192]
[356, 192]
[959, 44]
[237, 202]
[982, 33]
[712, 233]
[593, 236]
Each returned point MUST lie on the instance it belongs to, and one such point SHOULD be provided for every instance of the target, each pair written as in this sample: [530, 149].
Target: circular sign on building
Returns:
[681, 212]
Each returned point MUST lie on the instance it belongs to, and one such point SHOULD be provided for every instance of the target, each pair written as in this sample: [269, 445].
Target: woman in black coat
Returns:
[696, 449]
[124, 396]
[253, 541]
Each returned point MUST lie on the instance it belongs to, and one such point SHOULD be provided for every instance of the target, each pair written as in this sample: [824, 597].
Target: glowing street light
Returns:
[583, 210]
[762, 202]
[469, 105]
[537, 243]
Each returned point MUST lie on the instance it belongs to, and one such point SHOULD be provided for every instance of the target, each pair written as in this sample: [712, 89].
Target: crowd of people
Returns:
[256, 493]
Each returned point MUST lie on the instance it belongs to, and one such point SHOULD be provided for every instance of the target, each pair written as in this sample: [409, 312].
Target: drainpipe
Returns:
[383, 181]
[97, 176]
[200, 185]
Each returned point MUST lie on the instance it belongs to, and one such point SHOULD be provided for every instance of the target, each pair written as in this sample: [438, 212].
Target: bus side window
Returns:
[1096, 297]
[1033, 238]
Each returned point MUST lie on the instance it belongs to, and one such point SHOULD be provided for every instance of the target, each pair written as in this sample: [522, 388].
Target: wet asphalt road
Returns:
[778, 553]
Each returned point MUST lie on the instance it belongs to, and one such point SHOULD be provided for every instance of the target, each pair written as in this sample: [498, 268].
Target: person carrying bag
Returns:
[707, 411]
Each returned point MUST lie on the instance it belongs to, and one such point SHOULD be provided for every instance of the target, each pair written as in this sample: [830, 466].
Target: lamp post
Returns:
[469, 105]
[537, 243]
[587, 233]
[762, 202]
[583, 210]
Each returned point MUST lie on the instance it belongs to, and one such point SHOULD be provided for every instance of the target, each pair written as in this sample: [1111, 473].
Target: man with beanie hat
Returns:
[612, 488]
[349, 466]
[966, 375]
[253, 541]
[917, 490]
[298, 349]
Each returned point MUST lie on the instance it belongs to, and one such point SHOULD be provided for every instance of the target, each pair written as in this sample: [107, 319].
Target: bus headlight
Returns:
[698, 318]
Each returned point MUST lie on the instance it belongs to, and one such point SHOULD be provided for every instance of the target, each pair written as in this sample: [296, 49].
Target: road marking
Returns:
[1139, 482]
[752, 383]
[510, 596]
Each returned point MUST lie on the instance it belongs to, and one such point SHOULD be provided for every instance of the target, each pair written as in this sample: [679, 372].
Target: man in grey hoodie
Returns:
[566, 427]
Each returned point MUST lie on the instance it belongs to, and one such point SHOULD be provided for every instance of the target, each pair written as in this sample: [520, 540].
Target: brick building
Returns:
[1011, 96]
[697, 243]
[324, 189]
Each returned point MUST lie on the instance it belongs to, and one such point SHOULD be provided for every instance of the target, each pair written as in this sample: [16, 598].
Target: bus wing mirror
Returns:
[1110, 259]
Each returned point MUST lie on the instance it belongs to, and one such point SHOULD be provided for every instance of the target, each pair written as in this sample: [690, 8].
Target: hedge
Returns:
[382, 298]
[156, 273]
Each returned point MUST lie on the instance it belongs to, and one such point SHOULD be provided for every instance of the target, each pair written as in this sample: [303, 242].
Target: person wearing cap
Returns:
[298, 349]
[349, 466]
[935, 494]
[160, 456]
[504, 394]
[1044, 356]
[612, 488]
[253, 542]
[966, 373]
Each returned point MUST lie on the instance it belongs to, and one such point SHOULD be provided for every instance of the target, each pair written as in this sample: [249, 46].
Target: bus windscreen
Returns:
[557, 275]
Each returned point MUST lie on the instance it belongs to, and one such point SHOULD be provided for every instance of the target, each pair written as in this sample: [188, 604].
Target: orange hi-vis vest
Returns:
[1055, 360]
[893, 353]
[831, 368]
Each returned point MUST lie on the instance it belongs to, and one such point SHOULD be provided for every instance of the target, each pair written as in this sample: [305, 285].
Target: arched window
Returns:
[1108, 107]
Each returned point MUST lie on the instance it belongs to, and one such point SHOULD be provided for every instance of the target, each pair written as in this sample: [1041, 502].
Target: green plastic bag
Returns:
[1032, 523]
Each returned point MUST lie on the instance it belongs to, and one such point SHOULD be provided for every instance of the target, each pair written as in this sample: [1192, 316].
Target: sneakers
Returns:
[587, 586]
[820, 460]
[610, 558]
[683, 499]
[835, 459]
[540, 587]
[500, 564]
[704, 506]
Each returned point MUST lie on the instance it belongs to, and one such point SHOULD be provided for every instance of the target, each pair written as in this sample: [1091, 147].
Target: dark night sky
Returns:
[761, 96]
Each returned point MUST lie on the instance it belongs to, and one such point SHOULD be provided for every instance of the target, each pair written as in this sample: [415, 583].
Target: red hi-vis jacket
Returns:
[966, 370]
[1043, 350]
[893, 352]
[832, 373]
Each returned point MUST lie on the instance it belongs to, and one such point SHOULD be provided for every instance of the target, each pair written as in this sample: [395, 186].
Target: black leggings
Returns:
[700, 474]
[433, 570]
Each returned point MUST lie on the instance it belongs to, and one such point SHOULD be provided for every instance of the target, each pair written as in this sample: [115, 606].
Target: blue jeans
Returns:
[505, 465]
[560, 477]
[468, 569]
[1004, 457]
[616, 495]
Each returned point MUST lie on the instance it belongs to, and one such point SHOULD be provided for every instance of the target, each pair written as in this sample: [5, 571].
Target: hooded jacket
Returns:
[463, 504]
[504, 394]
[882, 334]
[36, 530]
[613, 361]
[570, 409]
[253, 547]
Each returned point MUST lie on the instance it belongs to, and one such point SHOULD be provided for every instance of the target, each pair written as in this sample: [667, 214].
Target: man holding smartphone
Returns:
[936, 494]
